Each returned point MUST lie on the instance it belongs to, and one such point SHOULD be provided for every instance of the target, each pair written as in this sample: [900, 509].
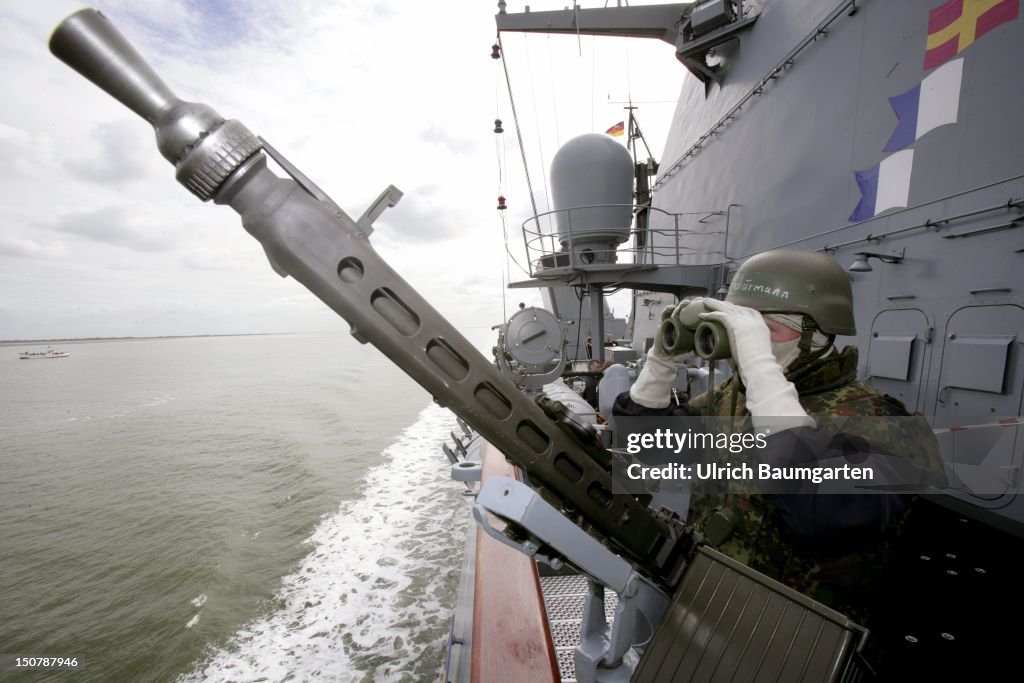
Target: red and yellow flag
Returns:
[617, 130]
[952, 27]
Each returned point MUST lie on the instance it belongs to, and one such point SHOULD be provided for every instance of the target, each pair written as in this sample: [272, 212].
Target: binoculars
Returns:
[686, 333]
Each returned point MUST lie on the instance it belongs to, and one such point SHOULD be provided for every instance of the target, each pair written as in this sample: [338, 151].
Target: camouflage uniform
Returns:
[761, 539]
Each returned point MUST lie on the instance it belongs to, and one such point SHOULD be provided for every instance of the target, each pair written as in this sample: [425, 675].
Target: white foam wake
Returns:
[364, 603]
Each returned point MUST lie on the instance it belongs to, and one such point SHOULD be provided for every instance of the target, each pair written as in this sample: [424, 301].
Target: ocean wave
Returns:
[373, 598]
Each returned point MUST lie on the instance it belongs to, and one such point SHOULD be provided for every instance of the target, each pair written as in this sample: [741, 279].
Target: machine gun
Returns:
[568, 514]
[307, 236]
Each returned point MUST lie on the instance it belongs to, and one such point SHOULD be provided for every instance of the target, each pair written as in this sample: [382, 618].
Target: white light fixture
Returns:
[861, 265]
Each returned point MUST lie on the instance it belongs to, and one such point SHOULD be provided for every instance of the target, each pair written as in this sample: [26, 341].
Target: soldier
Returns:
[782, 313]
[590, 383]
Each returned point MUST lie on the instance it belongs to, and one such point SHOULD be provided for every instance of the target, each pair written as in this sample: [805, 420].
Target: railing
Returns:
[549, 250]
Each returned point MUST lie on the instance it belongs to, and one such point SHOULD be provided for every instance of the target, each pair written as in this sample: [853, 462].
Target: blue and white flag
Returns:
[933, 102]
[884, 186]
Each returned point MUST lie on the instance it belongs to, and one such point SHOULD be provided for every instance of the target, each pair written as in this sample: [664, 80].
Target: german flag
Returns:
[954, 26]
[617, 130]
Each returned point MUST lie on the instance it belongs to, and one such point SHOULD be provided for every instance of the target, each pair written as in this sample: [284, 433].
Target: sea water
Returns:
[225, 508]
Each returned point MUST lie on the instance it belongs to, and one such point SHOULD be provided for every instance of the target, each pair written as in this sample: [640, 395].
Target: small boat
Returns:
[48, 353]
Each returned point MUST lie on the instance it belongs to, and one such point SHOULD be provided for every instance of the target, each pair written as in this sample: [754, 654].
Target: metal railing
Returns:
[551, 248]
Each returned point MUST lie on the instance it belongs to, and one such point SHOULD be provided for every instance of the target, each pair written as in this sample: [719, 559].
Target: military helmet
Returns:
[796, 281]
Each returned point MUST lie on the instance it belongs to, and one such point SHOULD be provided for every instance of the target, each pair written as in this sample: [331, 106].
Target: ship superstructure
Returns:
[884, 135]
[881, 133]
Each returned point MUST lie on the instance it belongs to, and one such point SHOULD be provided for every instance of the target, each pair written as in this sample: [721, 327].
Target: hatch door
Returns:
[898, 352]
[978, 403]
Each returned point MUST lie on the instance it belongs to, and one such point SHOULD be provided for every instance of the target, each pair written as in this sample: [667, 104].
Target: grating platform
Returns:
[564, 596]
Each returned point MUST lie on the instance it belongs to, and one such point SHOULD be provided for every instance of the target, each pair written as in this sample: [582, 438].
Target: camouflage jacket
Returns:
[830, 547]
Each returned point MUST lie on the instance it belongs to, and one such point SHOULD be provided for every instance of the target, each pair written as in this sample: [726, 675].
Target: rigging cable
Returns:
[554, 99]
[536, 123]
[629, 80]
[522, 151]
[506, 274]
[576, 23]
[508, 252]
[593, 81]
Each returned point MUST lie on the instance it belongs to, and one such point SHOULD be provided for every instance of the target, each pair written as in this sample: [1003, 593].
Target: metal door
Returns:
[978, 404]
[898, 354]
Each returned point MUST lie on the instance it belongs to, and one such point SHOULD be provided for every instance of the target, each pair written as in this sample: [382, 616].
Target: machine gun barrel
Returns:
[308, 237]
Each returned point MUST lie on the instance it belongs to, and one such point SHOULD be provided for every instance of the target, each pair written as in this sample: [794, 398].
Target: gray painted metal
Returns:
[652, 21]
[548, 529]
[575, 314]
[695, 29]
[593, 171]
[203, 147]
[729, 623]
[530, 349]
[604, 653]
[785, 161]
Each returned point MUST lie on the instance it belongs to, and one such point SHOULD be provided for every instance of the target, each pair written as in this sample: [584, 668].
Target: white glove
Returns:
[653, 388]
[769, 393]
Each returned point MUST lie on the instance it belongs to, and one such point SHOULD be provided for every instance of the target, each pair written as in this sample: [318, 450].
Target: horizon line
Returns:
[155, 336]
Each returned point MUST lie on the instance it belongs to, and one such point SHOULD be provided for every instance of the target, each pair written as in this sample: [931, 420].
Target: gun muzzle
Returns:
[204, 148]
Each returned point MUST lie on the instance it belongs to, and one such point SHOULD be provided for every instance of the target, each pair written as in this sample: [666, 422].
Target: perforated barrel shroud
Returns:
[728, 622]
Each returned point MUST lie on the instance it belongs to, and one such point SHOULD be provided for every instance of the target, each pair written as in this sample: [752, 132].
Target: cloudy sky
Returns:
[98, 239]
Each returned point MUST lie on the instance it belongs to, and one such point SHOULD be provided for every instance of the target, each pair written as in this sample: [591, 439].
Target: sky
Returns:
[97, 238]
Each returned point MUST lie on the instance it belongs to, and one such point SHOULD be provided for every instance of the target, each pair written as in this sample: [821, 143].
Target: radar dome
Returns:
[592, 188]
